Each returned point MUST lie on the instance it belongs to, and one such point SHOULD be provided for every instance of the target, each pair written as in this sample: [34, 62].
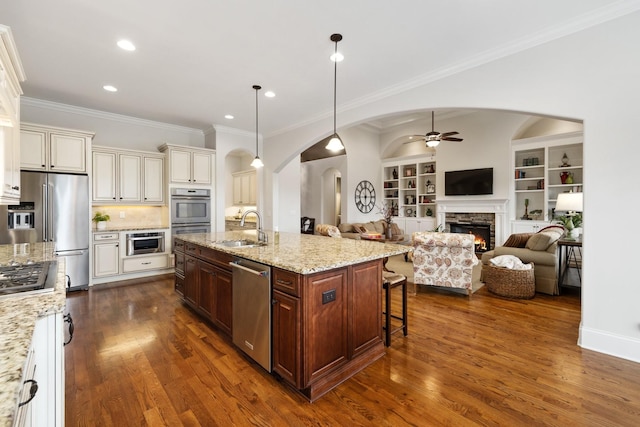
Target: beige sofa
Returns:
[538, 248]
[353, 231]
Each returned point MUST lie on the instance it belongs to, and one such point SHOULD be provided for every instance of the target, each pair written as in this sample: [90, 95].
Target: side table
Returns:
[568, 251]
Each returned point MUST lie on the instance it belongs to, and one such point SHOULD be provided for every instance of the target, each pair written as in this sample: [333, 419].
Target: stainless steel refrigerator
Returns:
[53, 208]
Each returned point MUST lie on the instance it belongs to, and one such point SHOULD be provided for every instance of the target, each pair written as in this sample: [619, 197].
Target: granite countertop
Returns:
[18, 315]
[129, 228]
[300, 253]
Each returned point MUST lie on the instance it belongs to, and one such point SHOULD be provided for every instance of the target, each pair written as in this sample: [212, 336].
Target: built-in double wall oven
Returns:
[190, 210]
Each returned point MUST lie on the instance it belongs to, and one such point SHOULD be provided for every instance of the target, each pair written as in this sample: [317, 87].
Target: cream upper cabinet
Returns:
[104, 176]
[129, 173]
[188, 165]
[11, 74]
[153, 183]
[244, 188]
[53, 149]
[127, 177]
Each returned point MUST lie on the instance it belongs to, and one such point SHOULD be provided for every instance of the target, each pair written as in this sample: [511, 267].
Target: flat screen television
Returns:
[469, 182]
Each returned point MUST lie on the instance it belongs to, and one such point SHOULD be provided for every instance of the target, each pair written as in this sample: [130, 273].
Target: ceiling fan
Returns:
[433, 138]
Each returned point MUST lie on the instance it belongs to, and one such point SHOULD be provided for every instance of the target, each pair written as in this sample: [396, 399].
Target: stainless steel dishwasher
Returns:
[251, 305]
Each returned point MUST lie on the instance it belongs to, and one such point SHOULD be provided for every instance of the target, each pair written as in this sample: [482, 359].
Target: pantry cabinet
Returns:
[11, 74]
[127, 177]
[189, 165]
[244, 188]
[53, 149]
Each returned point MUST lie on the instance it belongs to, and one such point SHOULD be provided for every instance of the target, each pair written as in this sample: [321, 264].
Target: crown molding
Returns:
[88, 112]
[233, 131]
[582, 22]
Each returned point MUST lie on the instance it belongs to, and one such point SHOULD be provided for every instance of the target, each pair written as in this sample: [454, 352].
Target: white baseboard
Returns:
[608, 343]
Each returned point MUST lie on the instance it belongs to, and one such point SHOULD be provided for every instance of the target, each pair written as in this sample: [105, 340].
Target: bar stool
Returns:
[392, 280]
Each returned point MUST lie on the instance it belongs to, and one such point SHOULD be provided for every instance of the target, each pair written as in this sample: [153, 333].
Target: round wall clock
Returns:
[365, 196]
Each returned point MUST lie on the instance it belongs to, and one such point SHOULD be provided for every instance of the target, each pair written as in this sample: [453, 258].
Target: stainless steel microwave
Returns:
[190, 206]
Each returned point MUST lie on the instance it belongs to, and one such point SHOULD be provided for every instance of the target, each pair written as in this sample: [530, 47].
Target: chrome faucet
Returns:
[262, 236]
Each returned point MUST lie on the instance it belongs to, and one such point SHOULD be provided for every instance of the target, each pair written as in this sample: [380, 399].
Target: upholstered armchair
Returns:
[446, 260]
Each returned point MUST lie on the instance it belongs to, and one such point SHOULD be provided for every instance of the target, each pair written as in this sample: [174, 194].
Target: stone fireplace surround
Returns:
[472, 210]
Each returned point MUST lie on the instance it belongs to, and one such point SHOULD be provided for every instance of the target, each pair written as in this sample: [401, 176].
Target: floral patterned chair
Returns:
[446, 260]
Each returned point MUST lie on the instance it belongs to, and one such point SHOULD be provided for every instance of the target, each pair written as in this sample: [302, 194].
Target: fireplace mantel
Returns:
[498, 207]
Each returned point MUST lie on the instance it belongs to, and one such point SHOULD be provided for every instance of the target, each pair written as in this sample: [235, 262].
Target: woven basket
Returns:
[510, 283]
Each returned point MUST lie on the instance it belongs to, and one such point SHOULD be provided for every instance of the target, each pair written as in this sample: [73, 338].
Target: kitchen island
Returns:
[19, 314]
[326, 299]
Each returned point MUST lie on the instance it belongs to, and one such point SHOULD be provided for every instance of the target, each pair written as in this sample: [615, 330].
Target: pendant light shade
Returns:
[335, 144]
[257, 163]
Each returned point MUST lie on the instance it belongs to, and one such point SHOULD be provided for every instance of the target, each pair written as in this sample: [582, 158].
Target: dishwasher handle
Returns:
[236, 264]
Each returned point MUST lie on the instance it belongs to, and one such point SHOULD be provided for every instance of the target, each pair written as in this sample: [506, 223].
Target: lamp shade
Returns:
[569, 202]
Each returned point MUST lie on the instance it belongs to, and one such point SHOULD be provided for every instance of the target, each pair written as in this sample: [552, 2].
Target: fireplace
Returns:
[481, 231]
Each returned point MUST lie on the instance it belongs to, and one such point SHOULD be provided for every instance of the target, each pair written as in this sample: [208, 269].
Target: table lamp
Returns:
[572, 204]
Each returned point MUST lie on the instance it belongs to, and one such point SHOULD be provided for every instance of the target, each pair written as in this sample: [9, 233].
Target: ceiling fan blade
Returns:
[451, 139]
[449, 134]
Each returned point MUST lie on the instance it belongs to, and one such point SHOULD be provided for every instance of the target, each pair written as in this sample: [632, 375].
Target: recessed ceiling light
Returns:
[228, 116]
[110, 88]
[337, 57]
[269, 94]
[126, 45]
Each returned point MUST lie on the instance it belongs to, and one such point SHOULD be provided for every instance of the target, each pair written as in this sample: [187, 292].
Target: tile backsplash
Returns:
[134, 216]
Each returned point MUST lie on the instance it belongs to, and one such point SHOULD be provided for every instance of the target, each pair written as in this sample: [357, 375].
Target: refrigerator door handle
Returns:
[51, 213]
[45, 213]
[68, 253]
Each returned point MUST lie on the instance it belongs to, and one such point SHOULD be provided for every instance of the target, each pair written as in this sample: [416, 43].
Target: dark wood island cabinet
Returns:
[326, 321]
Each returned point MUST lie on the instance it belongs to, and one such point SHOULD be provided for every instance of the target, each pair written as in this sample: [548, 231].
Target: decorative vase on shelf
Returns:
[101, 225]
[395, 174]
[388, 231]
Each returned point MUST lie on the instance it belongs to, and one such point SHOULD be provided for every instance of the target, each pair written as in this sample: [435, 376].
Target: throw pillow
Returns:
[395, 230]
[544, 238]
[517, 240]
[345, 228]
[359, 228]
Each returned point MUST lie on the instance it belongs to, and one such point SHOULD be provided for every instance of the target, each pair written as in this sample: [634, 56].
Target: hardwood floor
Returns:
[141, 358]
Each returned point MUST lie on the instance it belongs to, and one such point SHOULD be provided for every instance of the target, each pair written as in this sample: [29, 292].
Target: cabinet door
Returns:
[237, 190]
[68, 153]
[153, 180]
[223, 314]
[527, 226]
[10, 158]
[201, 168]
[104, 176]
[33, 153]
[286, 337]
[325, 323]
[252, 189]
[191, 291]
[130, 175]
[207, 281]
[106, 258]
[180, 162]
[365, 287]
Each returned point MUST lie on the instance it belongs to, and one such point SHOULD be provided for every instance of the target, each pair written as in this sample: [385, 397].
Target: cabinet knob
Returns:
[15, 187]
[52, 166]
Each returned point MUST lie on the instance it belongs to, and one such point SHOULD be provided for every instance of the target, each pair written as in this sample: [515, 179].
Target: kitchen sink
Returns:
[240, 243]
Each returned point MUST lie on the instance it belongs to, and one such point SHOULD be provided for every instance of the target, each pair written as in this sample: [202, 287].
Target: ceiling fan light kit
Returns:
[433, 138]
[335, 144]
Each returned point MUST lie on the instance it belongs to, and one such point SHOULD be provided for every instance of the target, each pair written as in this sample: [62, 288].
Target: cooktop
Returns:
[26, 278]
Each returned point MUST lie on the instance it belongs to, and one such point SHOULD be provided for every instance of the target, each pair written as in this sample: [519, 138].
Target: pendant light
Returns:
[257, 163]
[335, 144]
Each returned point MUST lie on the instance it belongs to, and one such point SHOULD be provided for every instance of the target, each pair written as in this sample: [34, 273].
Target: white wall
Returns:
[111, 130]
[590, 76]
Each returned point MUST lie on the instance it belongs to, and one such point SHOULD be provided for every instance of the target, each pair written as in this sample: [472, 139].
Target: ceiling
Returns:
[196, 62]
